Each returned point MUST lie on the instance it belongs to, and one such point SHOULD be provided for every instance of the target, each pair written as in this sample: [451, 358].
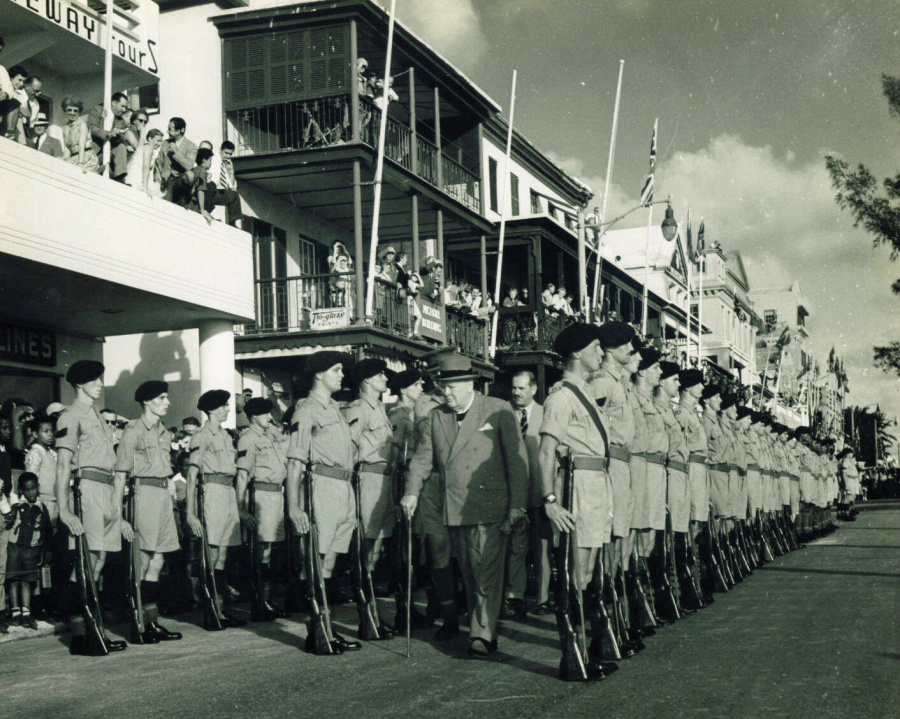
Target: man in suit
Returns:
[177, 156]
[529, 415]
[474, 443]
[42, 142]
[118, 136]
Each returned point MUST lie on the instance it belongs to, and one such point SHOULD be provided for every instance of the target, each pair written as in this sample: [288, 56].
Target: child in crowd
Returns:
[41, 461]
[29, 545]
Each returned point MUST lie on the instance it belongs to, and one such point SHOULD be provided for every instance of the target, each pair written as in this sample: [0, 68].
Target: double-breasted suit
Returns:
[483, 470]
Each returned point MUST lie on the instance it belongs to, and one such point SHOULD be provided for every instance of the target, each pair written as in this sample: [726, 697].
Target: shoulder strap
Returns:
[591, 410]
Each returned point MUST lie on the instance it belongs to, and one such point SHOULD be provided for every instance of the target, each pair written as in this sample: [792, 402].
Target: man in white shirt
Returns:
[221, 174]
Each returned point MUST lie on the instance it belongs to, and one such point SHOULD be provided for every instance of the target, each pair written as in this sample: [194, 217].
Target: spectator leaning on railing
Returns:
[76, 137]
[177, 156]
[224, 182]
[41, 141]
[120, 137]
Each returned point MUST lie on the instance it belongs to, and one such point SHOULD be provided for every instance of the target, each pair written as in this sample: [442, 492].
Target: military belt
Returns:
[96, 475]
[334, 472]
[755, 468]
[617, 452]
[697, 458]
[590, 463]
[741, 472]
[680, 466]
[159, 482]
[266, 487]
[720, 467]
[655, 457]
[374, 467]
[223, 479]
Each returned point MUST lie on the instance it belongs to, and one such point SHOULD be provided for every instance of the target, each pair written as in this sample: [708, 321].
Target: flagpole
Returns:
[504, 189]
[690, 275]
[701, 252]
[646, 313]
[379, 166]
[598, 268]
[107, 86]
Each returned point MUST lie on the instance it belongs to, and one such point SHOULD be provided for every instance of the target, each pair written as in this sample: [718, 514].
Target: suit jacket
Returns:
[482, 464]
[532, 444]
[50, 146]
[183, 159]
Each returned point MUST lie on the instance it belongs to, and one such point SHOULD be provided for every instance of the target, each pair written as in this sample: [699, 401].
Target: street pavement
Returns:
[813, 634]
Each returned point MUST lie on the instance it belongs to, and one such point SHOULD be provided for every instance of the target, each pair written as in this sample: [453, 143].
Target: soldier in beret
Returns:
[143, 456]
[321, 440]
[84, 445]
[260, 461]
[212, 460]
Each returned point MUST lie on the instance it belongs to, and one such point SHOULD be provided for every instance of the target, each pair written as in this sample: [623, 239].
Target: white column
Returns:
[217, 359]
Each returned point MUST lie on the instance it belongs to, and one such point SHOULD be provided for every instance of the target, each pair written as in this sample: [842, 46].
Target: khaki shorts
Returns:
[334, 506]
[220, 510]
[269, 508]
[795, 496]
[376, 504]
[623, 503]
[806, 487]
[734, 494]
[639, 515]
[429, 517]
[679, 499]
[655, 505]
[719, 495]
[754, 490]
[699, 483]
[96, 498]
[592, 508]
[155, 520]
[784, 490]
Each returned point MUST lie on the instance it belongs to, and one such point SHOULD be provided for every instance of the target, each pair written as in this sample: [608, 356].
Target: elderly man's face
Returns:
[457, 394]
[34, 89]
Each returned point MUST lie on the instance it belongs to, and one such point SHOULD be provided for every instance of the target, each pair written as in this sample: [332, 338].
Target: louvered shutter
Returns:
[245, 75]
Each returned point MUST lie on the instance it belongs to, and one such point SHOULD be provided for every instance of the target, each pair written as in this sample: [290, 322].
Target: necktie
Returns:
[225, 175]
[460, 416]
[523, 422]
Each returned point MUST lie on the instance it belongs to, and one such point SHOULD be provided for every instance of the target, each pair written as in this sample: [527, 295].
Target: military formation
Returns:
[637, 490]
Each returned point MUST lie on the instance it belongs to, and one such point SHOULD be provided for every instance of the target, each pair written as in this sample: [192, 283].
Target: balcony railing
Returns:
[521, 329]
[327, 121]
[466, 332]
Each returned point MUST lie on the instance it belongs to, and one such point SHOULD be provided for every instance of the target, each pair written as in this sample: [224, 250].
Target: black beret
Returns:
[744, 411]
[636, 344]
[649, 357]
[84, 371]
[729, 399]
[711, 390]
[575, 338]
[213, 399]
[615, 334]
[757, 417]
[325, 360]
[256, 406]
[367, 368]
[150, 390]
[669, 369]
[690, 377]
[402, 380]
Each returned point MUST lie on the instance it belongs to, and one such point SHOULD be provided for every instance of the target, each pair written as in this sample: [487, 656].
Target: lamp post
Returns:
[669, 227]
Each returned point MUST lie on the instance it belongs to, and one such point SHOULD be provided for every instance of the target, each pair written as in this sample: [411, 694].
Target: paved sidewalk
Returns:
[812, 635]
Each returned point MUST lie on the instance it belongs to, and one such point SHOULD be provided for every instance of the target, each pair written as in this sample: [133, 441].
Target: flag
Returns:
[785, 339]
[690, 239]
[701, 238]
[647, 191]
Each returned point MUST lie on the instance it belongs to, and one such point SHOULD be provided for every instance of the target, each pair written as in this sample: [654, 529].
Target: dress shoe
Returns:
[231, 621]
[273, 611]
[346, 645]
[514, 609]
[115, 645]
[148, 636]
[593, 672]
[163, 634]
[543, 609]
[481, 648]
[446, 631]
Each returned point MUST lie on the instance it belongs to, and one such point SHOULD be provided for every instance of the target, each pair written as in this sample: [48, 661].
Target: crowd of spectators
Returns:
[165, 166]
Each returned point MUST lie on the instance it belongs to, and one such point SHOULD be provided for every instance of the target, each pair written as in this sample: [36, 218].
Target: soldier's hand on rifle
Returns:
[409, 504]
[195, 525]
[127, 531]
[247, 519]
[73, 524]
[562, 519]
[300, 519]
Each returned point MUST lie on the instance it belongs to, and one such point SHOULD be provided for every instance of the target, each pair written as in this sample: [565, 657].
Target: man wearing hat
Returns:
[143, 455]
[84, 445]
[41, 141]
[372, 436]
[260, 461]
[474, 443]
[321, 440]
[212, 461]
[572, 425]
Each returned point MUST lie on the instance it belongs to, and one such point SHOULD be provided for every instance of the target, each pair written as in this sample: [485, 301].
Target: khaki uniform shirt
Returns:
[402, 420]
[651, 435]
[717, 444]
[212, 452]
[692, 426]
[567, 420]
[678, 447]
[258, 455]
[370, 429]
[144, 450]
[321, 433]
[608, 387]
[91, 441]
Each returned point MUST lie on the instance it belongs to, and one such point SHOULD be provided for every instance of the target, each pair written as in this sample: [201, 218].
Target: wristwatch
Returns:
[550, 498]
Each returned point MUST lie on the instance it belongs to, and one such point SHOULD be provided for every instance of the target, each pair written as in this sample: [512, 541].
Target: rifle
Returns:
[716, 559]
[604, 645]
[642, 606]
[209, 596]
[366, 603]
[695, 595]
[135, 603]
[403, 558]
[319, 638]
[257, 597]
[572, 664]
[669, 564]
[95, 634]
[293, 601]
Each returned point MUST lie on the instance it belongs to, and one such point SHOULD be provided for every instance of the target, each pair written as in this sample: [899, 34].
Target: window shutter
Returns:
[286, 66]
[245, 71]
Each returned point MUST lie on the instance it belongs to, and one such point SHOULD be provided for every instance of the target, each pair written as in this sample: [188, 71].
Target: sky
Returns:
[750, 97]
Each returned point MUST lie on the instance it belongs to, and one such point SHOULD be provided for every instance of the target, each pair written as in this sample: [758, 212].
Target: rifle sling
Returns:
[591, 410]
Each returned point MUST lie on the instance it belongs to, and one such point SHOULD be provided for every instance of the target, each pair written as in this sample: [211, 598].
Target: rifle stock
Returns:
[319, 636]
[95, 635]
[209, 596]
[135, 603]
[366, 604]
[257, 598]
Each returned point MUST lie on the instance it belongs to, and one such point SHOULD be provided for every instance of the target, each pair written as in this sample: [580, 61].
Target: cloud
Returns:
[453, 27]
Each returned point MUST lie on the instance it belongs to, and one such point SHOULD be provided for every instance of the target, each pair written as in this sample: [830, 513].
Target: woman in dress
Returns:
[142, 172]
[77, 138]
[138, 128]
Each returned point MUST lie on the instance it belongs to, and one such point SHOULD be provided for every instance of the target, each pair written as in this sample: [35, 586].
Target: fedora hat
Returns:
[454, 368]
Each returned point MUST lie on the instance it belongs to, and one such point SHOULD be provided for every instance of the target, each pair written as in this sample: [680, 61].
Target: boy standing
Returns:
[28, 543]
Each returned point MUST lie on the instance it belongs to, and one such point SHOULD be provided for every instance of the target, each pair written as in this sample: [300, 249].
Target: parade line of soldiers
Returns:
[640, 491]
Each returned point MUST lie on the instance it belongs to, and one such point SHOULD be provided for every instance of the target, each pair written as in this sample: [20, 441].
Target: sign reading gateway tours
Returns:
[26, 344]
[88, 26]
[432, 324]
[329, 319]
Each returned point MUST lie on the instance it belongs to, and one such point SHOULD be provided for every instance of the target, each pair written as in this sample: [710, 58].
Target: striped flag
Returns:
[647, 192]
[701, 238]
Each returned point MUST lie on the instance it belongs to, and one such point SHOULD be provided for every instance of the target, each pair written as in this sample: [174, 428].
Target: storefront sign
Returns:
[432, 324]
[329, 319]
[89, 27]
[26, 344]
